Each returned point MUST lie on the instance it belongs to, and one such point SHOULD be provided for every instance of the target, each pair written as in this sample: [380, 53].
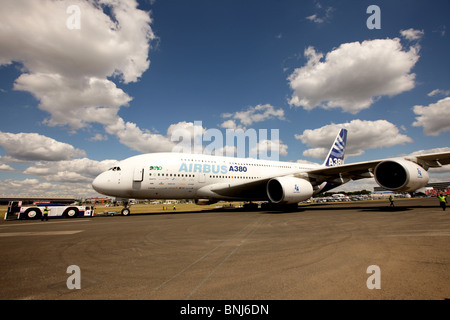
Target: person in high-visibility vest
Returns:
[391, 199]
[45, 215]
[442, 201]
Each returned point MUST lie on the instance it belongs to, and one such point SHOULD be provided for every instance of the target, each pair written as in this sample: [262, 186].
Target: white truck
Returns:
[17, 211]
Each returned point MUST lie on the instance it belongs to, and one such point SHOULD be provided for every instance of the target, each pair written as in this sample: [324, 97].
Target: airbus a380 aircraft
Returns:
[208, 179]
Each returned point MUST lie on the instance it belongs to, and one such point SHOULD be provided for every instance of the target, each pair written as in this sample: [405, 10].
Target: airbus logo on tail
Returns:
[336, 155]
[334, 162]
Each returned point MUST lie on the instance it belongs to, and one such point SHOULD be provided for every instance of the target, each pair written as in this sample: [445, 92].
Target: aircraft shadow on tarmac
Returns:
[313, 207]
[342, 207]
[308, 208]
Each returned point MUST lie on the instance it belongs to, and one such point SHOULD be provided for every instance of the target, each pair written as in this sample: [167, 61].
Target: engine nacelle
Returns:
[400, 175]
[204, 202]
[288, 190]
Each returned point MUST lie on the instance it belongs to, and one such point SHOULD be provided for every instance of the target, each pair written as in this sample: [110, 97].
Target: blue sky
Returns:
[75, 99]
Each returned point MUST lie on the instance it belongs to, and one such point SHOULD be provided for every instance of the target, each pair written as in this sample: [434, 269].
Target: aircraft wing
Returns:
[352, 171]
[431, 160]
[365, 169]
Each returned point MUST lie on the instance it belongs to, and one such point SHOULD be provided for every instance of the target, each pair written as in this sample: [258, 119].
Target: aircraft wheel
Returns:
[125, 212]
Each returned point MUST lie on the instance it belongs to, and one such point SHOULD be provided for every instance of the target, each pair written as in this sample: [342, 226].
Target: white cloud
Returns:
[189, 128]
[434, 150]
[12, 187]
[71, 72]
[102, 47]
[146, 141]
[57, 166]
[434, 118]
[229, 124]
[99, 137]
[353, 75]
[361, 135]
[74, 102]
[35, 187]
[186, 137]
[439, 92]
[33, 146]
[442, 30]
[303, 161]
[322, 15]
[254, 114]
[63, 178]
[5, 167]
[137, 139]
[229, 151]
[315, 18]
[76, 170]
[412, 34]
[266, 148]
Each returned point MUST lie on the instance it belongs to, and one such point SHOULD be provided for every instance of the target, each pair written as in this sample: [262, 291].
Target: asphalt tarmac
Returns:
[353, 250]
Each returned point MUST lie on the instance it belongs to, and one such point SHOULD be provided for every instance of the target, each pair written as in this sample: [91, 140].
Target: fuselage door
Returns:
[138, 175]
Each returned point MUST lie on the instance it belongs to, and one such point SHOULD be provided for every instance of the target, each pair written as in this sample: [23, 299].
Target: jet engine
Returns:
[400, 175]
[204, 202]
[288, 190]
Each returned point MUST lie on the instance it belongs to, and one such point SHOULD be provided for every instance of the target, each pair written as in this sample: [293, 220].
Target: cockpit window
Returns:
[114, 169]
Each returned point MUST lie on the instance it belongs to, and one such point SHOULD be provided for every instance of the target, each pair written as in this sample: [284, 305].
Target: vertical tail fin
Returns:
[335, 156]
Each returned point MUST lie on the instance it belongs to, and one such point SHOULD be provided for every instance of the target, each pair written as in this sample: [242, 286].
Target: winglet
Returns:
[335, 156]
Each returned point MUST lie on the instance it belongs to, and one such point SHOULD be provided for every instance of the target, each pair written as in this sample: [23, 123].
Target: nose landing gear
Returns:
[126, 210]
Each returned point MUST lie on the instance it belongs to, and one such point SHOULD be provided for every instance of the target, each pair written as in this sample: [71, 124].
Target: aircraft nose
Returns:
[100, 183]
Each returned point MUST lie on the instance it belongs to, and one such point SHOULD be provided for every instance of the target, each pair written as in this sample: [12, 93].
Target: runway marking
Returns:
[39, 233]
[42, 223]
[206, 255]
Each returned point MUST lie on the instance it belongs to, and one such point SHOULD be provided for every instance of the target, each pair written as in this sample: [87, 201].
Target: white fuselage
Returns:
[187, 176]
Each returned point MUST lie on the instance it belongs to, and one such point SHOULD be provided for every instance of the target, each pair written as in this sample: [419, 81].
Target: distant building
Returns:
[98, 200]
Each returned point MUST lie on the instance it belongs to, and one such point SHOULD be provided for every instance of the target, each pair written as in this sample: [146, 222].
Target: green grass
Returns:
[156, 208]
